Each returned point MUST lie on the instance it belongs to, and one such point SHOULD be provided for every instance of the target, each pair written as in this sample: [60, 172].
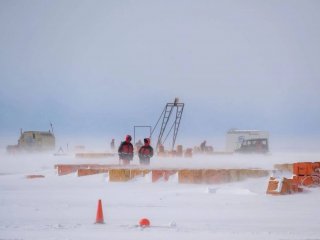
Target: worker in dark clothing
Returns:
[203, 146]
[125, 151]
[145, 152]
[112, 144]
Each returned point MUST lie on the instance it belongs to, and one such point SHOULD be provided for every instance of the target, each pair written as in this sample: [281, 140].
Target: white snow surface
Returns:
[65, 207]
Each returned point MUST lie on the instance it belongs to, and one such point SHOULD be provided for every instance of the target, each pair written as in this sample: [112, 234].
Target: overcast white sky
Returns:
[101, 67]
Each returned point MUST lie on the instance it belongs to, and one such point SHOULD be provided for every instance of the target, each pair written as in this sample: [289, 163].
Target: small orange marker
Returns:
[144, 222]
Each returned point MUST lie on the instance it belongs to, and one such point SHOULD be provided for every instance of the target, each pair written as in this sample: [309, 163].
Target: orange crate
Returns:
[280, 186]
[273, 186]
[157, 174]
[164, 174]
[316, 167]
[303, 168]
[138, 173]
[88, 171]
[303, 180]
[190, 176]
[213, 176]
[119, 175]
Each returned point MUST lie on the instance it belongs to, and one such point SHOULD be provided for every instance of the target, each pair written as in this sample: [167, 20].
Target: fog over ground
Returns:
[97, 68]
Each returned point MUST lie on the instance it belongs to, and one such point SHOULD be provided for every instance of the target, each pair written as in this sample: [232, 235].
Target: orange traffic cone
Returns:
[99, 218]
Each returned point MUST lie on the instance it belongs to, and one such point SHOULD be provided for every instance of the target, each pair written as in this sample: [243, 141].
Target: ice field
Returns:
[65, 207]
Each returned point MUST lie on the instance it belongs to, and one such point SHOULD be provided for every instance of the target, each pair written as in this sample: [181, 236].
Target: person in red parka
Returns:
[125, 151]
[145, 152]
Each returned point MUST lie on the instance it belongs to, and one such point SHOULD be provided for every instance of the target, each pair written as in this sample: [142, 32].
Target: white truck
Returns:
[247, 141]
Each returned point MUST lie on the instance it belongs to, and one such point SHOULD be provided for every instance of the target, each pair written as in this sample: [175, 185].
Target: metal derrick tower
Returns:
[174, 109]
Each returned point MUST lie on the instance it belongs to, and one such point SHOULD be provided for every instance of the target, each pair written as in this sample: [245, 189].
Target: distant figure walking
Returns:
[145, 152]
[125, 151]
[112, 144]
[203, 146]
[138, 145]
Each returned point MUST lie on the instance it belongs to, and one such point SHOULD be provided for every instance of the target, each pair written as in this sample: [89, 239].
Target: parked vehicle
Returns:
[34, 141]
[259, 145]
[236, 137]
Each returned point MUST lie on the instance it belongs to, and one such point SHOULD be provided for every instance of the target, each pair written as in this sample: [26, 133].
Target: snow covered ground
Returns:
[64, 207]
